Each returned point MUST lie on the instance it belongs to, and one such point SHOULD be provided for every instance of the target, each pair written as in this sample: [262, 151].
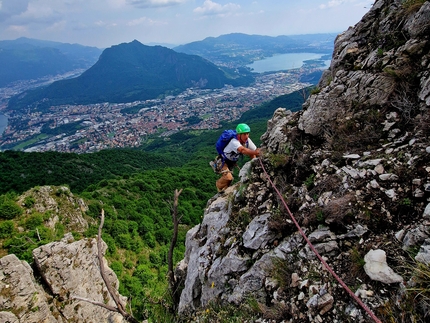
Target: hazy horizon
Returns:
[171, 22]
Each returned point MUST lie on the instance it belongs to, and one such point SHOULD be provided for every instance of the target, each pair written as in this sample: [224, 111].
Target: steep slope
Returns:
[25, 59]
[130, 72]
[353, 171]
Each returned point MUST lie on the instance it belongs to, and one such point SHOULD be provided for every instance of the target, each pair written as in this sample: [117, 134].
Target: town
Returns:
[118, 125]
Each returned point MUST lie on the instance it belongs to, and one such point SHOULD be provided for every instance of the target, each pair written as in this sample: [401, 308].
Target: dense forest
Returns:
[135, 188]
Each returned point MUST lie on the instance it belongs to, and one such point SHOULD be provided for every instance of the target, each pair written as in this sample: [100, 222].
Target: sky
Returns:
[104, 23]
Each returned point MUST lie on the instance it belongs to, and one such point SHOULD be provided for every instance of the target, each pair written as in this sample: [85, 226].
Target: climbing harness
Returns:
[355, 297]
[218, 164]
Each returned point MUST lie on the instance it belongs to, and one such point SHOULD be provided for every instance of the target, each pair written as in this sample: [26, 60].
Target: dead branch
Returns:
[108, 307]
[172, 281]
[119, 307]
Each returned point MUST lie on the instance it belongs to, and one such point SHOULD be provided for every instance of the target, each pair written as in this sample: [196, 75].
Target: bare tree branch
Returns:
[172, 281]
[108, 307]
[119, 306]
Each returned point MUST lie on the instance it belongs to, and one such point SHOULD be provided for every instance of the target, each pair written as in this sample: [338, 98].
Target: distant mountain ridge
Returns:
[129, 72]
[239, 49]
[25, 59]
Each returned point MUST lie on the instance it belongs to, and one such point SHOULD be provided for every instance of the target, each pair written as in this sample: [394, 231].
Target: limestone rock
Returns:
[21, 298]
[376, 267]
[258, 234]
[423, 254]
[72, 276]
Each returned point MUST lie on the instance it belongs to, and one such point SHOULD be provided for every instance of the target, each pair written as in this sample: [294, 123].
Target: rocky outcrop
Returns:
[354, 171]
[58, 202]
[382, 61]
[65, 286]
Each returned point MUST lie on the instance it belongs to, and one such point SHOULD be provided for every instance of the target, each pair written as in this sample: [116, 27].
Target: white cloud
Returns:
[145, 21]
[155, 3]
[100, 23]
[39, 14]
[60, 25]
[17, 29]
[331, 4]
[336, 3]
[212, 8]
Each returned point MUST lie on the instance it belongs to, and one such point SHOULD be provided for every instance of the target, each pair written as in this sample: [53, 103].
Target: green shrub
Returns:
[33, 221]
[163, 235]
[143, 273]
[136, 244]
[111, 250]
[9, 210]
[149, 239]
[117, 267]
[155, 259]
[6, 229]
[29, 201]
[91, 232]
[123, 241]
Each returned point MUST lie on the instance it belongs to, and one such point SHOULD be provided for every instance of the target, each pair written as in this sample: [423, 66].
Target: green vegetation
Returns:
[21, 171]
[245, 312]
[309, 182]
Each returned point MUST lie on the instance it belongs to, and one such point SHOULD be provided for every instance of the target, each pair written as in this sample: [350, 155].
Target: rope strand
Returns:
[355, 297]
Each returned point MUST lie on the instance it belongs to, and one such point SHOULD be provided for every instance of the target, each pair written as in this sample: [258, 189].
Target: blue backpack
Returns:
[223, 141]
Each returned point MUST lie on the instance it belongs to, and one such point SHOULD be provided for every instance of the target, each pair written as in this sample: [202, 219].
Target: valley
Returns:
[94, 127]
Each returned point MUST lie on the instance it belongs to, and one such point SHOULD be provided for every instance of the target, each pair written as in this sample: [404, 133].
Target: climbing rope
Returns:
[355, 297]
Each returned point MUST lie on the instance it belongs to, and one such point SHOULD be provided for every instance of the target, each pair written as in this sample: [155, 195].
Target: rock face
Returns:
[48, 198]
[382, 61]
[65, 286]
[354, 171]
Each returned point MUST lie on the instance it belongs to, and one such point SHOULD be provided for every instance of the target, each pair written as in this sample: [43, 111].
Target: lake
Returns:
[3, 123]
[285, 62]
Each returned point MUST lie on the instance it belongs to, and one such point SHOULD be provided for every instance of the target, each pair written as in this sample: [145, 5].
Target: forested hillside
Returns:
[25, 59]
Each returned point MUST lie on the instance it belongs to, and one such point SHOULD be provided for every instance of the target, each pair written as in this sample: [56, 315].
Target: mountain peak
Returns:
[131, 72]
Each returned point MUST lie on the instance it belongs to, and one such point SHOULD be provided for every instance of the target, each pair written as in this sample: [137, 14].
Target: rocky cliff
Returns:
[351, 188]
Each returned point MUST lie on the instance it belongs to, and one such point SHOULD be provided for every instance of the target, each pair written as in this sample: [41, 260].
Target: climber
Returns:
[238, 146]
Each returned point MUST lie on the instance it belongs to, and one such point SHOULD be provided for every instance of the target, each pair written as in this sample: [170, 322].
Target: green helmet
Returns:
[242, 128]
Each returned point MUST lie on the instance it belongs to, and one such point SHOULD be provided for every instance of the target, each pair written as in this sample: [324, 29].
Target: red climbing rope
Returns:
[355, 297]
